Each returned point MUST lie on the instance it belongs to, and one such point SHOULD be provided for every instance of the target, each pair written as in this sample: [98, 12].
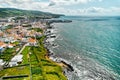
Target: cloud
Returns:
[116, 9]
[70, 2]
[52, 4]
[24, 4]
[59, 6]
[95, 10]
[84, 11]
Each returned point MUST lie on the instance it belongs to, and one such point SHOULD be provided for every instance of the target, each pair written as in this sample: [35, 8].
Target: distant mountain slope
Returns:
[8, 12]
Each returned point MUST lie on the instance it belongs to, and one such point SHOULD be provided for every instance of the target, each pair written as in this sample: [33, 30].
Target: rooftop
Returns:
[31, 40]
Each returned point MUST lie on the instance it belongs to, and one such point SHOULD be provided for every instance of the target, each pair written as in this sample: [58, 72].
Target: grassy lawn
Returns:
[23, 70]
[41, 68]
[46, 69]
[33, 59]
[52, 77]
[37, 29]
[16, 43]
[25, 54]
[7, 54]
[20, 70]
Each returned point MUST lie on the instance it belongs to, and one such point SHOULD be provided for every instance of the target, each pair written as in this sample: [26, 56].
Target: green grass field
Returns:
[39, 67]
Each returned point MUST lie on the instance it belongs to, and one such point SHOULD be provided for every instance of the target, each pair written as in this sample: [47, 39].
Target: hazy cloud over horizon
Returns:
[68, 7]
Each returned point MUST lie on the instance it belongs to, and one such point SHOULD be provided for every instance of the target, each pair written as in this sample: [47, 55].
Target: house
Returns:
[10, 46]
[1, 33]
[8, 39]
[24, 40]
[38, 34]
[1, 62]
[2, 46]
[3, 20]
[32, 41]
[15, 60]
[11, 64]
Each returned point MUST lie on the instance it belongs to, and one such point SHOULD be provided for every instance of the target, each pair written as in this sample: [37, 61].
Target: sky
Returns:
[67, 7]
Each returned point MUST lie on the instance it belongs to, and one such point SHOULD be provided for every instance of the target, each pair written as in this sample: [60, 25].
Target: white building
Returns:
[14, 61]
[1, 62]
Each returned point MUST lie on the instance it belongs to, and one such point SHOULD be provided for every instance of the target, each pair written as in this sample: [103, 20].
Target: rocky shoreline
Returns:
[49, 41]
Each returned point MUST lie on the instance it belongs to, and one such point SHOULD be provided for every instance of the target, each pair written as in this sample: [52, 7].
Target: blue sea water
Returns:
[91, 45]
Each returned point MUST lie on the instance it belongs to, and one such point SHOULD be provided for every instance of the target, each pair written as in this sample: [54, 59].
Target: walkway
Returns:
[22, 49]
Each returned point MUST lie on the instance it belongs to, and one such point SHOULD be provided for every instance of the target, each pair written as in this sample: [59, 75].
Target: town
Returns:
[22, 52]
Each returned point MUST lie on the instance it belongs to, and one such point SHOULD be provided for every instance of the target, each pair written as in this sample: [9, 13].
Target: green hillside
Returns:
[10, 12]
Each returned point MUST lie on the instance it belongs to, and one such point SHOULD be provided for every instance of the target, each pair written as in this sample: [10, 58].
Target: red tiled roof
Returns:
[32, 40]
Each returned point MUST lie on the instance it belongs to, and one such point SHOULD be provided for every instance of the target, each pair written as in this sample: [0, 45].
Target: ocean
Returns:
[91, 45]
